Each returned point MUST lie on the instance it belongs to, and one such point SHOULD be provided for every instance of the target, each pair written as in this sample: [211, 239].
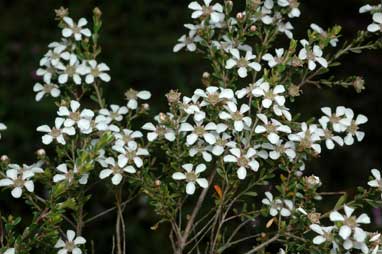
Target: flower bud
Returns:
[253, 28]
[359, 84]
[314, 217]
[240, 16]
[97, 12]
[206, 78]
[145, 106]
[4, 158]
[157, 182]
[294, 91]
[312, 181]
[61, 13]
[228, 5]
[173, 96]
[41, 152]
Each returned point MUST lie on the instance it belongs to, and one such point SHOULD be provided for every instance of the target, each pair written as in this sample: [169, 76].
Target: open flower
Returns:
[116, 169]
[70, 245]
[56, 133]
[116, 113]
[18, 180]
[71, 70]
[350, 223]
[214, 12]
[240, 121]
[242, 63]
[353, 126]
[94, 71]
[376, 182]
[377, 25]
[271, 128]
[334, 118]
[76, 117]
[244, 160]
[270, 96]
[312, 56]
[130, 154]
[293, 5]
[200, 131]
[187, 41]
[132, 97]
[41, 90]
[274, 60]
[333, 40]
[191, 177]
[69, 175]
[308, 137]
[284, 207]
[324, 234]
[159, 131]
[75, 29]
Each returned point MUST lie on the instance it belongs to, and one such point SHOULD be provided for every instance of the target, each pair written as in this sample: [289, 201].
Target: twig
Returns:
[264, 244]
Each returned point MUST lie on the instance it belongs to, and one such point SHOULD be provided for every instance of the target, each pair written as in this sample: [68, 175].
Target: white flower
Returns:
[240, 121]
[34, 168]
[323, 33]
[71, 243]
[41, 90]
[282, 111]
[76, 117]
[128, 137]
[264, 12]
[116, 113]
[308, 137]
[56, 133]
[262, 89]
[131, 155]
[71, 70]
[284, 207]
[350, 223]
[222, 141]
[329, 137]
[228, 43]
[192, 176]
[188, 41]
[325, 234]
[75, 29]
[69, 175]
[274, 60]
[116, 169]
[54, 56]
[200, 148]
[47, 72]
[214, 95]
[353, 126]
[244, 160]
[293, 4]
[271, 128]
[200, 131]
[280, 148]
[159, 131]
[215, 12]
[132, 97]
[377, 25]
[10, 251]
[334, 118]
[242, 63]
[18, 180]
[312, 56]
[191, 106]
[3, 127]
[376, 182]
[285, 28]
[103, 123]
[96, 71]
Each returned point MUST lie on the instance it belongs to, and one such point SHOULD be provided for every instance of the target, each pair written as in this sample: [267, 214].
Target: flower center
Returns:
[199, 130]
[75, 116]
[191, 177]
[213, 99]
[236, 116]
[353, 128]
[242, 62]
[69, 246]
[242, 162]
[95, 72]
[131, 94]
[55, 132]
[70, 70]
[19, 182]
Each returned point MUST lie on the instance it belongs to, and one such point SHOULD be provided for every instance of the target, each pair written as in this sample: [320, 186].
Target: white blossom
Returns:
[56, 133]
[270, 96]
[324, 234]
[377, 25]
[199, 131]
[214, 12]
[242, 63]
[376, 182]
[214, 95]
[329, 137]
[244, 160]
[69, 175]
[191, 177]
[203, 149]
[132, 97]
[131, 155]
[323, 33]
[350, 224]
[54, 56]
[280, 148]
[18, 180]
[308, 137]
[127, 137]
[159, 131]
[72, 70]
[116, 169]
[187, 41]
[95, 70]
[271, 128]
[46, 72]
[285, 28]
[70, 244]
[293, 5]
[73, 116]
[76, 30]
[41, 90]
[284, 207]
[353, 126]
[274, 60]
[116, 113]
[223, 140]
[334, 118]
[240, 121]
[312, 56]
[10, 251]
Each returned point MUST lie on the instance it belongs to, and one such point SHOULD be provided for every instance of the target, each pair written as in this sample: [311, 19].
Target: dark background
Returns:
[137, 40]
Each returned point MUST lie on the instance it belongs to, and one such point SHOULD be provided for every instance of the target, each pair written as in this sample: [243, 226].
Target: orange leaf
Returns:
[218, 191]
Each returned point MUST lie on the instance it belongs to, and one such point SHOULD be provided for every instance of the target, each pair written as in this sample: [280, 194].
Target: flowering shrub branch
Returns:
[224, 166]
